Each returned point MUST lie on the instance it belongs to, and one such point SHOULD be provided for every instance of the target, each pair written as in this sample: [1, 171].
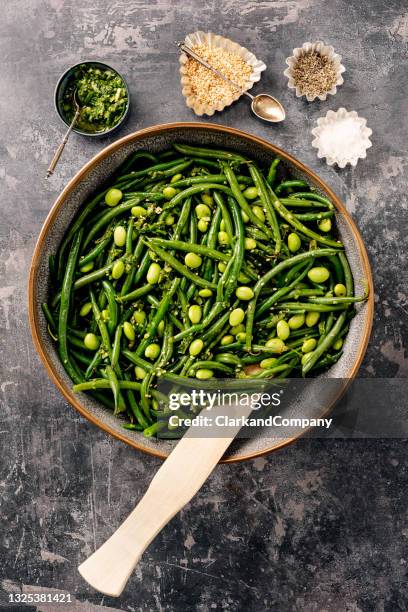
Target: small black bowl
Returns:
[62, 85]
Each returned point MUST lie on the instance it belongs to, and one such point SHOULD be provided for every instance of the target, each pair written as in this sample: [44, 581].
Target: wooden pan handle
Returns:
[176, 482]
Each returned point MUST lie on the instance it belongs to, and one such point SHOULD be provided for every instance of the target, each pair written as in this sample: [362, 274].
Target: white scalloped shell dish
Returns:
[342, 137]
[322, 49]
[214, 40]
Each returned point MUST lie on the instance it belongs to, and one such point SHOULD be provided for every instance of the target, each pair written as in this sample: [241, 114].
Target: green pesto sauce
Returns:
[102, 95]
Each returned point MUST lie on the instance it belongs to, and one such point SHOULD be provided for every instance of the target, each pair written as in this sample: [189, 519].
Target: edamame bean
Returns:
[244, 293]
[222, 266]
[243, 278]
[192, 260]
[325, 225]
[170, 220]
[129, 331]
[160, 328]
[318, 274]
[176, 178]
[312, 318]
[223, 238]
[275, 345]
[105, 315]
[258, 212]
[245, 217]
[152, 351]
[251, 193]
[87, 267]
[202, 225]
[338, 344]
[237, 329]
[203, 211]
[113, 197]
[205, 293]
[296, 321]
[309, 345]
[118, 269]
[268, 363]
[85, 309]
[340, 290]
[240, 337]
[250, 244]
[140, 373]
[196, 347]
[204, 374]
[153, 273]
[236, 317]
[195, 314]
[119, 236]
[169, 192]
[283, 330]
[294, 242]
[91, 342]
[139, 317]
[228, 339]
[207, 199]
[138, 211]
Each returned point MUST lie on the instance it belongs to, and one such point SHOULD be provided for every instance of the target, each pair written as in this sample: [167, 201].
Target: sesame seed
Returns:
[207, 86]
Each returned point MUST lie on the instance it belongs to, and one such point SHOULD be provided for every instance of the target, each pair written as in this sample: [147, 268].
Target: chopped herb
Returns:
[102, 95]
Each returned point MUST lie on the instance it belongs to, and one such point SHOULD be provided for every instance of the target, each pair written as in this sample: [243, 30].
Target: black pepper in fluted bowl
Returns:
[102, 93]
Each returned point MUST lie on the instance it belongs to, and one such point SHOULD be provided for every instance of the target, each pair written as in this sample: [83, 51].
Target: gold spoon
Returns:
[60, 149]
[263, 105]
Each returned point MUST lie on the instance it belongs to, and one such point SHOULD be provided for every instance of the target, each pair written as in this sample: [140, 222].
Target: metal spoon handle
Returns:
[199, 59]
[61, 147]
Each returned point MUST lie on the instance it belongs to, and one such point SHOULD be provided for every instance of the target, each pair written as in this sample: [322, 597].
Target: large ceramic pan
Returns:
[95, 174]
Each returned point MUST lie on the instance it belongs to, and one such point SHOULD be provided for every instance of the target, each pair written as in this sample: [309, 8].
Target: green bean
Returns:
[136, 294]
[338, 300]
[275, 297]
[120, 405]
[203, 152]
[264, 280]
[325, 345]
[92, 255]
[348, 277]
[179, 267]
[138, 414]
[225, 214]
[116, 346]
[103, 330]
[310, 307]
[127, 164]
[237, 194]
[66, 291]
[212, 365]
[190, 247]
[50, 319]
[313, 196]
[289, 185]
[112, 305]
[272, 171]
[161, 311]
[267, 205]
[314, 216]
[291, 219]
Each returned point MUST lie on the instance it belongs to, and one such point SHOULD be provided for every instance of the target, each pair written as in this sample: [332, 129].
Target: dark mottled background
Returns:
[319, 526]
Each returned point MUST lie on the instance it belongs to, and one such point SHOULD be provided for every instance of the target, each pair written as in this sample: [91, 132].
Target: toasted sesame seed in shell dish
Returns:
[206, 93]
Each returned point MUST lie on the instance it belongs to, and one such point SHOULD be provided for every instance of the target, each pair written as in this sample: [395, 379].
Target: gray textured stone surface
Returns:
[318, 526]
